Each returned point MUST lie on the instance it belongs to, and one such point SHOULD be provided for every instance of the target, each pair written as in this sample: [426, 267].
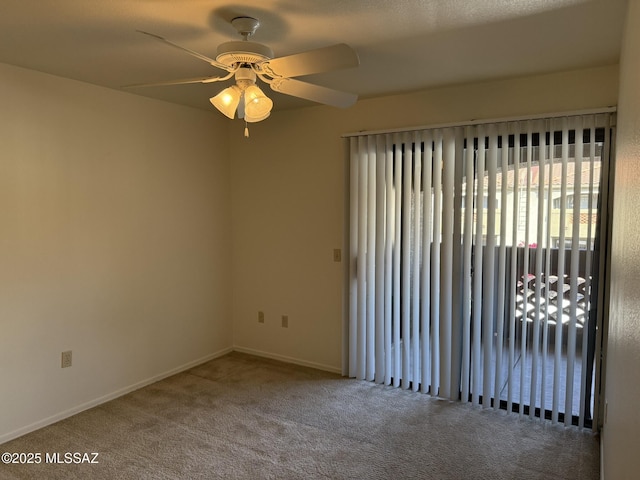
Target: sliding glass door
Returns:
[475, 262]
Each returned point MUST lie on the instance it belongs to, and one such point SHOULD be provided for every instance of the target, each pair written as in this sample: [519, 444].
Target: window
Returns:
[587, 202]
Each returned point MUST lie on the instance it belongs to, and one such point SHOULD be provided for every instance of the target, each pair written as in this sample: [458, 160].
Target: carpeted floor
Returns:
[242, 417]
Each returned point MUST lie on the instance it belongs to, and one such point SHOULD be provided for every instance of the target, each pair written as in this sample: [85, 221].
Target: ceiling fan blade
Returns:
[316, 93]
[314, 61]
[177, 82]
[200, 56]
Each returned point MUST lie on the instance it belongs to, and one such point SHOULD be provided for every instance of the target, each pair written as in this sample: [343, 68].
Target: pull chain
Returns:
[246, 130]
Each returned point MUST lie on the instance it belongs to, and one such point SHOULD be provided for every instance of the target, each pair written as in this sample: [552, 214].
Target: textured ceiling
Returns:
[403, 45]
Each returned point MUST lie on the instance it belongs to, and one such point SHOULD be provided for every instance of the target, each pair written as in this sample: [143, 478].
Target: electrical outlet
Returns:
[285, 321]
[260, 317]
[337, 255]
[66, 359]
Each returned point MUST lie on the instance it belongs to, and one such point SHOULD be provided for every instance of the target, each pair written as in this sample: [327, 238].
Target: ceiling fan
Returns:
[247, 61]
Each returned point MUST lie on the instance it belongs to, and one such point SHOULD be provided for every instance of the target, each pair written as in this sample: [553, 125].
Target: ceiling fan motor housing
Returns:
[230, 53]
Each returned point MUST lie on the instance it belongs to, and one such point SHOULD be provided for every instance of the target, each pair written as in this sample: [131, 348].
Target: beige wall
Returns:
[621, 439]
[288, 199]
[114, 243]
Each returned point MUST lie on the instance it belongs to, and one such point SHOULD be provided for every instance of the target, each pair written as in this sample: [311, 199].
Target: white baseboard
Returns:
[110, 396]
[123, 391]
[283, 358]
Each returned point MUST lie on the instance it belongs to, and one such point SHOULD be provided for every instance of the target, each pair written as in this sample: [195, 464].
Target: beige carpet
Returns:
[242, 417]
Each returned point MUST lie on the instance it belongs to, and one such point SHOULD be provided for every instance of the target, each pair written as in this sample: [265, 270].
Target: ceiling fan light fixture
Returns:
[247, 61]
[257, 106]
[227, 100]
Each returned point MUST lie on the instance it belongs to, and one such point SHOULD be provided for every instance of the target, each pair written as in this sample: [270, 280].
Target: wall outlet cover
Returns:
[66, 359]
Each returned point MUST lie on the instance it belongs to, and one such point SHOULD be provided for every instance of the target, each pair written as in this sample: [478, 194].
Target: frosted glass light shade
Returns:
[249, 119]
[257, 106]
[227, 100]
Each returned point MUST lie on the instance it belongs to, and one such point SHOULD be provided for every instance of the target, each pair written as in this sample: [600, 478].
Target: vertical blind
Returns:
[474, 262]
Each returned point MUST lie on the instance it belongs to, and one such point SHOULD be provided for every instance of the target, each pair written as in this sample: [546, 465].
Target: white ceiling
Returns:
[403, 45]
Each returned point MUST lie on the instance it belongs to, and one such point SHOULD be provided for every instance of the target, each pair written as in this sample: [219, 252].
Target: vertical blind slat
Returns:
[537, 311]
[407, 176]
[514, 272]
[381, 267]
[488, 304]
[467, 263]
[547, 269]
[388, 258]
[457, 298]
[590, 124]
[353, 255]
[369, 334]
[502, 259]
[476, 378]
[561, 262]
[573, 269]
[425, 299]
[435, 263]
[524, 275]
[446, 292]
[362, 260]
[415, 295]
[397, 241]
